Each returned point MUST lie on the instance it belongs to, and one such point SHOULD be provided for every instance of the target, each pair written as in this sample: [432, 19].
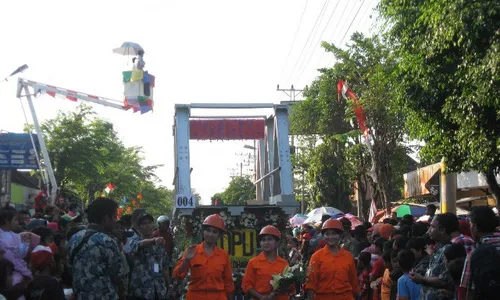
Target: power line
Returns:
[319, 40]
[334, 30]
[310, 49]
[353, 19]
[339, 45]
[307, 41]
[294, 38]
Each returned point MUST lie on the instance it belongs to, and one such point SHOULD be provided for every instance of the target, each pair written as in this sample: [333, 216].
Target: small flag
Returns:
[123, 202]
[109, 188]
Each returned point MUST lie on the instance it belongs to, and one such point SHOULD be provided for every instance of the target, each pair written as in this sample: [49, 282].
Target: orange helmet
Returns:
[215, 221]
[332, 224]
[270, 230]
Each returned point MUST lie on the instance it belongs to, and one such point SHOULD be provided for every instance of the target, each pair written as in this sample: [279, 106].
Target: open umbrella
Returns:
[297, 220]
[316, 214]
[409, 209]
[128, 48]
[354, 220]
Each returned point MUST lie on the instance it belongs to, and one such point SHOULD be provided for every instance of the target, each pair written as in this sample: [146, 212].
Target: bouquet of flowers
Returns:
[282, 282]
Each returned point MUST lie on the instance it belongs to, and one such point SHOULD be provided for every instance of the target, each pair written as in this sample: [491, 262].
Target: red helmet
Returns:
[332, 224]
[270, 230]
[215, 221]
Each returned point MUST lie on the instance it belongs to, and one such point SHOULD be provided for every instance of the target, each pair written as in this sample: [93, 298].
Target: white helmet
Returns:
[163, 219]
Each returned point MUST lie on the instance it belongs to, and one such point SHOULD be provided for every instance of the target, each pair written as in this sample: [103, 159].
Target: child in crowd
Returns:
[395, 274]
[44, 286]
[364, 270]
[455, 267]
[407, 289]
[293, 251]
[385, 288]
[46, 239]
[455, 253]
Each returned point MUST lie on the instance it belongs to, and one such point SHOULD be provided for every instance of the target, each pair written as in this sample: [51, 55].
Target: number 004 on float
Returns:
[185, 201]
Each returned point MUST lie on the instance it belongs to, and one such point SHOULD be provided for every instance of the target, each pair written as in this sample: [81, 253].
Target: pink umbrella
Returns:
[354, 220]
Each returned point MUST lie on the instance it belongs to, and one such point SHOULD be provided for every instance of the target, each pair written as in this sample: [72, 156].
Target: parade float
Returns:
[274, 201]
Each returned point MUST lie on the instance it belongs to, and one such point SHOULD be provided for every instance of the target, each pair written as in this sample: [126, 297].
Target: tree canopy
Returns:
[239, 191]
[341, 156]
[448, 79]
[87, 154]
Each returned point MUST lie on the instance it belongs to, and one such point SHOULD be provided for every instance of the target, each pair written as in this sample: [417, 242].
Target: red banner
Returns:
[241, 129]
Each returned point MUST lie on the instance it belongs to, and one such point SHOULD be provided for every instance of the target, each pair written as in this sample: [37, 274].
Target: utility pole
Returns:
[292, 92]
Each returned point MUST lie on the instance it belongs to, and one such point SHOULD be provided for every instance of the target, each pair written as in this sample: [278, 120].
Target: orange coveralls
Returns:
[211, 275]
[332, 276]
[259, 274]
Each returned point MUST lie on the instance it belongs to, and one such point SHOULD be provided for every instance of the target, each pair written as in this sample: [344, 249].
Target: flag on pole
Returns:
[348, 93]
[109, 188]
[373, 211]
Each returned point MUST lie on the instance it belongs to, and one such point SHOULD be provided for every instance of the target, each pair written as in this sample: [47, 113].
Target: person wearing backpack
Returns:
[97, 266]
[481, 275]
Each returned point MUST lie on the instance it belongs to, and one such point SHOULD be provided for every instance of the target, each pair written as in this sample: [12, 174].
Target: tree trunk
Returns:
[493, 185]
[363, 210]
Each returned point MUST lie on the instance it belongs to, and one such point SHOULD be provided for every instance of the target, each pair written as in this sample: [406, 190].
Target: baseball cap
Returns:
[66, 219]
[35, 223]
[143, 215]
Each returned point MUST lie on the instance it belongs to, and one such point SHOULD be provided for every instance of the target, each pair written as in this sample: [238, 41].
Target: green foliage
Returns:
[448, 79]
[240, 189]
[86, 154]
[157, 200]
[327, 171]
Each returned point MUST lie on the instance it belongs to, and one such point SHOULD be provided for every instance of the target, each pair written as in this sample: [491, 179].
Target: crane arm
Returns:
[23, 85]
[68, 94]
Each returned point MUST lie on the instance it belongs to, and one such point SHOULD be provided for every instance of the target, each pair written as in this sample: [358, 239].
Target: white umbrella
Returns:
[128, 48]
[316, 214]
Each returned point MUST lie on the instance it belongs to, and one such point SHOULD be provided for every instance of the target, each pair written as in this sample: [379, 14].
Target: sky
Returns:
[200, 52]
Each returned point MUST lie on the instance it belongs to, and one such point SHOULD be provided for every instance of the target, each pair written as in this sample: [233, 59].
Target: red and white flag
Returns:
[349, 94]
[109, 188]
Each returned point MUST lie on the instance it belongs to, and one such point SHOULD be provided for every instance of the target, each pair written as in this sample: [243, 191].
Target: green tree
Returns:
[327, 171]
[86, 154]
[367, 65]
[449, 81]
[157, 200]
[240, 190]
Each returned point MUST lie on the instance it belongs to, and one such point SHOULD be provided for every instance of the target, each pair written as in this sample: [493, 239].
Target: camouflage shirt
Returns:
[97, 267]
[149, 263]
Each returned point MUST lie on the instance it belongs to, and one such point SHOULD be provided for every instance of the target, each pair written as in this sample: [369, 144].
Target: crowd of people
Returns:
[61, 253]
[444, 258]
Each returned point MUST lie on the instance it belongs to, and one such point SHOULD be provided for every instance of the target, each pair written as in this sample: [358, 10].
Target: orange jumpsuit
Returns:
[259, 274]
[211, 275]
[332, 276]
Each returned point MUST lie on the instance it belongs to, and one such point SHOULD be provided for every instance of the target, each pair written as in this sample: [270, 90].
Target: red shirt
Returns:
[169, 241]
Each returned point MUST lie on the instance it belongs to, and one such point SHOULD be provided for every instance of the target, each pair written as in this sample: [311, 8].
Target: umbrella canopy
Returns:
[408, 209]
[128, 48]
[354, 220]
[297, 220]
[316, 214]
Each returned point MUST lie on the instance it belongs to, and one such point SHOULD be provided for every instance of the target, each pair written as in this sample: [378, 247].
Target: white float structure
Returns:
[274, 182]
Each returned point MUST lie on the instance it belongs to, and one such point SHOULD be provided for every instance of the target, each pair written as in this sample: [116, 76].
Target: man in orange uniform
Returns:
[211, 275]
[332, 272]
[260, 269]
